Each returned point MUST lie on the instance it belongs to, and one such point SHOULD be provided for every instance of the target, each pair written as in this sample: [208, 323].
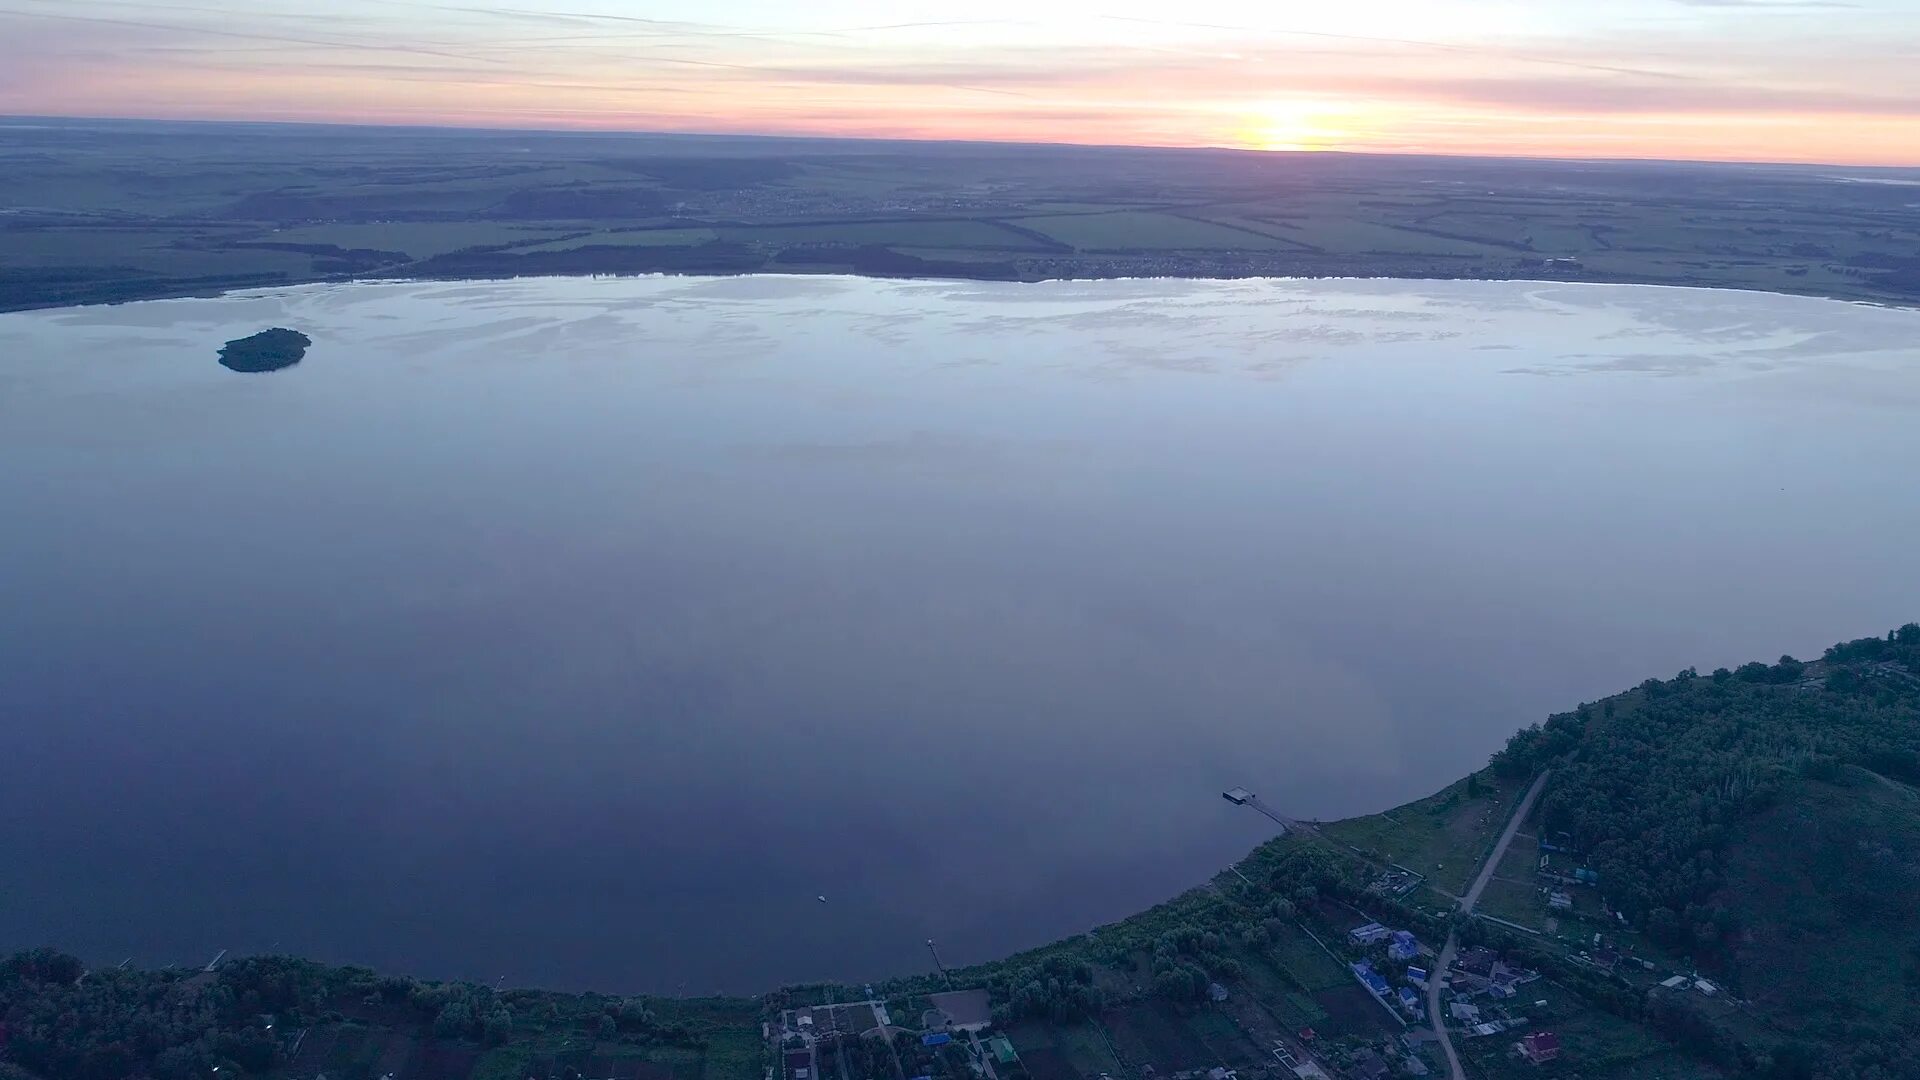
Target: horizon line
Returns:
[1288, 152]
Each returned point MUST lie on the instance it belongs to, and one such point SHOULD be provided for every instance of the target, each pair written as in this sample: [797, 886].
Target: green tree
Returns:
[455, 1021]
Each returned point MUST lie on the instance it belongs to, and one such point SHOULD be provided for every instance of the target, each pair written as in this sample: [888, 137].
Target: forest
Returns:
[1653, 784]
[1764, 823]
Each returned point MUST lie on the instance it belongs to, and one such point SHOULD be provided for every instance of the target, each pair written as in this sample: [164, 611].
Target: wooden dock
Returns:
[1242, 797]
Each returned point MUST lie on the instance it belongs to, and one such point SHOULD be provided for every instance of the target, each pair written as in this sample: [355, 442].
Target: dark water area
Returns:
[585, 631]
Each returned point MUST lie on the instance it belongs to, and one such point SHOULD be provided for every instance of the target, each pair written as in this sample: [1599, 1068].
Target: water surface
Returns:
[585, 631]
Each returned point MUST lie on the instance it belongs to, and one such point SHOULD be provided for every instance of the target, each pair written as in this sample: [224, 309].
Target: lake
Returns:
[587, 631]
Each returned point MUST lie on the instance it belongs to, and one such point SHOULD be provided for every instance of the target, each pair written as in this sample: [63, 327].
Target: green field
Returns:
[1079, 1047]
[89, 215]
[1349, 235]
[915, 234]
[420, 239]
[628, 238]
[1306, 963]
[172, 253]
[1134, 229]
[1443, 836]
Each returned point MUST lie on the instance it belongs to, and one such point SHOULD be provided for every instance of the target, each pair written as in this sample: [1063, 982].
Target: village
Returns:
[1342, 993]
[954, 1037]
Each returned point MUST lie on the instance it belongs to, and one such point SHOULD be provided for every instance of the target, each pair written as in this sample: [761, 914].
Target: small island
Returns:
[268, 350]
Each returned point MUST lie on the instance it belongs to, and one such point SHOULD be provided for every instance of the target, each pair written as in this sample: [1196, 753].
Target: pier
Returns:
[1242, 797]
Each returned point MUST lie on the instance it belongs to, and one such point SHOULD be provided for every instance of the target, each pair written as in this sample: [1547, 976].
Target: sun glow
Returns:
[1299, 125]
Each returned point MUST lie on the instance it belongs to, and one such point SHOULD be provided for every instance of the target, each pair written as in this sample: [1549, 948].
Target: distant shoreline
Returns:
[187, 291]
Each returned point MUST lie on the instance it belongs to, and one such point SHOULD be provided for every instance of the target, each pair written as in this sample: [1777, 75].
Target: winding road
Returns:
[1466, 907]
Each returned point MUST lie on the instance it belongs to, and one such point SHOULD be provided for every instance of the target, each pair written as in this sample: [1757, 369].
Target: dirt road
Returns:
[1466, 907]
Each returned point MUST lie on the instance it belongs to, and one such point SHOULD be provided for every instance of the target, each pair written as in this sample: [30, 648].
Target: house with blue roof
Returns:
[1371, 978]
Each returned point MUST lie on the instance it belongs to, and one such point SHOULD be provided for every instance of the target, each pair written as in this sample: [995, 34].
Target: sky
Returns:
[1835, 81]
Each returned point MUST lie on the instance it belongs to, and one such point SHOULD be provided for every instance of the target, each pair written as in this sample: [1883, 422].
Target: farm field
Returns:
[102, 211]
[418, 239]
[627, 238]
[1119, 230]
[922, 234]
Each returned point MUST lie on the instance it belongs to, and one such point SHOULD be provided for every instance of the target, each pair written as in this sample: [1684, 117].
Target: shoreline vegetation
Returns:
[105, 212]
[224, 290]
[1721, 878]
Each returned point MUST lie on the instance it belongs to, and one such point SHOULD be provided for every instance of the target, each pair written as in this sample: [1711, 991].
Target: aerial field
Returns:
[1136, 229]
[916, 234]
[627, 238]
[1443, 836]
[94, 212]
[419, 239]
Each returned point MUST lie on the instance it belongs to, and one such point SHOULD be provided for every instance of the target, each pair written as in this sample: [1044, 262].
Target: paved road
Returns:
[1466, 907]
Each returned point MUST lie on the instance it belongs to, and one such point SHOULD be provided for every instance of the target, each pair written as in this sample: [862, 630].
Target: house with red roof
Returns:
[1540, 1047]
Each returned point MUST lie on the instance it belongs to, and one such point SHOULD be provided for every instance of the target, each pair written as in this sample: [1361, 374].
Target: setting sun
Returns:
[1298, 125]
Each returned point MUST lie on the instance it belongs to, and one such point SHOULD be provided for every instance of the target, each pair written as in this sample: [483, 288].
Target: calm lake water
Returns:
[585, 631]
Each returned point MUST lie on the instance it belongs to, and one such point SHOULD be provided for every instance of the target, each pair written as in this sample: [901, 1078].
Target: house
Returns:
[1677, 982]
[1417, 976]
[1476, 960]
[1369, 1066]
[1465, 1012]
[1414, 1066]
[1365, 973]
[1404, 946]
[1705, 987]
[1502, 981]
[1217, 993]
[1560, 901]
[1368, 934]
[1540, 1047]
[1409, 1002]
[1606, 959]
